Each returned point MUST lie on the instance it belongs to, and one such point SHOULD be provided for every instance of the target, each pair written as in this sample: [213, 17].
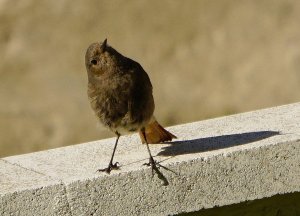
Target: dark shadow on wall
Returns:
[278, 205]
[214, 143]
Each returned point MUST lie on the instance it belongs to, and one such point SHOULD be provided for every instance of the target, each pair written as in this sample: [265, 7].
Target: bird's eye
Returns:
[94, 62]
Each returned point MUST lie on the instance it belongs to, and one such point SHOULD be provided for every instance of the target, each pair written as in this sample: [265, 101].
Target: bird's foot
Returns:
[155, 167]
[154, 164]
[151, 162]
[110, 167]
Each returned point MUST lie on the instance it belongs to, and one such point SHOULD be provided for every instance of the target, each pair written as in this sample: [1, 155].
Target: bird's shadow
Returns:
[214, 143]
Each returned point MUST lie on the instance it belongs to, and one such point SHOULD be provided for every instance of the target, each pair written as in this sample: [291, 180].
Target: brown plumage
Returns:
[120, 93]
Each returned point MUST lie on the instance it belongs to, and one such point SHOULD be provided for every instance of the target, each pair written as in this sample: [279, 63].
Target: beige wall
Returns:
[205, 59]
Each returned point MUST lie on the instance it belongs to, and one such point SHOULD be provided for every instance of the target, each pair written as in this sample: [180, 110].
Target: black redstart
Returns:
[120, 93]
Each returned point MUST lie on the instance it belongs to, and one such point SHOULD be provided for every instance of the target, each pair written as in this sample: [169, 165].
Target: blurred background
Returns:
[205, 59]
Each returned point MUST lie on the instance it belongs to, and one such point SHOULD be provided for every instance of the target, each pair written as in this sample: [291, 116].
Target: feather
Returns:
[155, 133]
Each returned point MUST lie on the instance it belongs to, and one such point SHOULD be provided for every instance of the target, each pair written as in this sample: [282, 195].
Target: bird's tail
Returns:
[155, 133]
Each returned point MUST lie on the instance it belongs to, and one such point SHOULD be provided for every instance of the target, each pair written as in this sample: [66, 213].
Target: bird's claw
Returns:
[110, 167]
[154, 164]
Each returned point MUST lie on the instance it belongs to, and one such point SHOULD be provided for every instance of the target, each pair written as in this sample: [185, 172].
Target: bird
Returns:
[120, 93]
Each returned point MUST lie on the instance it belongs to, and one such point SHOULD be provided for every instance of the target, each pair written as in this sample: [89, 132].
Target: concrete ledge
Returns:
[214, 163]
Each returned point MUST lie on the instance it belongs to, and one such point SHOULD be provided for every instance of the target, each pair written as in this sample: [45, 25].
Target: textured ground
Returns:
[205, 58]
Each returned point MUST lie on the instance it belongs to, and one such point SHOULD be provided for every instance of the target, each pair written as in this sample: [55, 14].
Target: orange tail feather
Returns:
[155, 133]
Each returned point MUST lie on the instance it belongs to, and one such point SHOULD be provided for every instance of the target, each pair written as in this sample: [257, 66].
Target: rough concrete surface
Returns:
[215, 162]
[27, 192]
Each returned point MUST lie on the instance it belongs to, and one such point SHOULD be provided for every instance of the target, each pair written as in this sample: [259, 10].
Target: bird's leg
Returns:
[112, 165]
[152, 162]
